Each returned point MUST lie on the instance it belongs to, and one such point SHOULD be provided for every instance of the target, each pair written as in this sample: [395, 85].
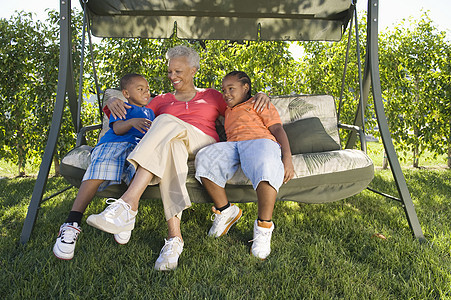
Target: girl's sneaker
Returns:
[222, 221]
[169, 254]
[65, 242]
[261, 246]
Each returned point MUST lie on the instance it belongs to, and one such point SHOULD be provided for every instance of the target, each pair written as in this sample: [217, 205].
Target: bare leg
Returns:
[87, 191]
[266, 195]
[174, 228]
[217, 193]
[137, 187]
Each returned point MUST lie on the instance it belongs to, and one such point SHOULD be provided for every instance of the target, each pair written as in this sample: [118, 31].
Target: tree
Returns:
[322, 72]
[28, 72]
[413, 63]
[29, 56]
[269, 64]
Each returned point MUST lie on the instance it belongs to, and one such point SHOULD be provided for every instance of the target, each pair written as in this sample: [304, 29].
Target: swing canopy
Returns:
[292, 20]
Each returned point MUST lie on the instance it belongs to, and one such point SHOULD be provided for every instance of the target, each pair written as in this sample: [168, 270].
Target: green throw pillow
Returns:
[309, 136]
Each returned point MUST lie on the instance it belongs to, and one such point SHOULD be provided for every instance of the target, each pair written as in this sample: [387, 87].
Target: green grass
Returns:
[319, 251]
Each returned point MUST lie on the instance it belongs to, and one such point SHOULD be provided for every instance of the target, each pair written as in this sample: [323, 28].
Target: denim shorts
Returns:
[260, 160]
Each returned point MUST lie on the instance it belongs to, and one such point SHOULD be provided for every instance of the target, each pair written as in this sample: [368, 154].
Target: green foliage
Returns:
[117, 57]
[28, 73]
[269, 65]
[322, 70]
[414, 66]
[29, 56]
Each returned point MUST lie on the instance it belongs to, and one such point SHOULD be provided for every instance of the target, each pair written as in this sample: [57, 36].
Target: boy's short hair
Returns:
[127, 79]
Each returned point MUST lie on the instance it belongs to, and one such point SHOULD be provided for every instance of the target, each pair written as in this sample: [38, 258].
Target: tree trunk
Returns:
[449, 155]
[449, 148]
[56, 163]
[385, 161]
[416, 158]
[416, 133]
[21, 162]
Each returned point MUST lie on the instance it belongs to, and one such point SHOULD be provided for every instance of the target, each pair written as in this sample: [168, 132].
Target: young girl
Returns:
[257, 142]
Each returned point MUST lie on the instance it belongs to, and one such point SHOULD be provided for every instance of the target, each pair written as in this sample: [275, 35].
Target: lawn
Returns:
[358, 248]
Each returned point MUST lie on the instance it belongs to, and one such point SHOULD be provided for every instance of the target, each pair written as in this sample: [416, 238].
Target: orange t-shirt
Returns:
[243, 123]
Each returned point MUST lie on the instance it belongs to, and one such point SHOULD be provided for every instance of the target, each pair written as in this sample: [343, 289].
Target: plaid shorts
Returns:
[109, 163]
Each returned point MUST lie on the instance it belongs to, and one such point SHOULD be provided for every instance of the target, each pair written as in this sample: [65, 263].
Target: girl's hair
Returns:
[183, 51]
[127, 79]
[243, 78]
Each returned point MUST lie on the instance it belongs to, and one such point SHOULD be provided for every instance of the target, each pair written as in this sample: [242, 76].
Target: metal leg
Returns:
[373, 63]
[64, 79]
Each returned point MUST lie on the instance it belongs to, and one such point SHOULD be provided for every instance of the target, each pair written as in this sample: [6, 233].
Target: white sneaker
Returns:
[169, 254]
[222, 221]
[65, 242]
[261, 246]
[123, 237]
[116, 218]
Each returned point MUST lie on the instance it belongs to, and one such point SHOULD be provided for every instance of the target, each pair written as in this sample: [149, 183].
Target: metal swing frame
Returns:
[371, 78]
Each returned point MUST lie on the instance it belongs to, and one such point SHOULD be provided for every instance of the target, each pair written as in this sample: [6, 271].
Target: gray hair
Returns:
[189, 53]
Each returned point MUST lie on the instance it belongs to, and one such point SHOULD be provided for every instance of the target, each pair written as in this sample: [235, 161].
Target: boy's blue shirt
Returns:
[133, 135]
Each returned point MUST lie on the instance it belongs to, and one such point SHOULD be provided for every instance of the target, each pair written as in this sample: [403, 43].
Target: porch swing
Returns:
[324, 171]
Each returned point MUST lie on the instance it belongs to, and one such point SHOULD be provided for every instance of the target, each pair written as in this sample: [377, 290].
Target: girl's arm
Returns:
[121, 127]
[279, 133]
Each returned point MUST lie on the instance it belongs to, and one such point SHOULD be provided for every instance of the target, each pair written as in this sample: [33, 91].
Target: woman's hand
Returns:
[117, 107]
[260, 100]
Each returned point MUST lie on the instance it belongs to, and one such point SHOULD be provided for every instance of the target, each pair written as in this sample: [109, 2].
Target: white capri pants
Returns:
[164, 151]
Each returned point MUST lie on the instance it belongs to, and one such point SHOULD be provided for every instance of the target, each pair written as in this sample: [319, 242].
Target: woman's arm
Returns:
[260, 100]
[116, 107]
[279, 133]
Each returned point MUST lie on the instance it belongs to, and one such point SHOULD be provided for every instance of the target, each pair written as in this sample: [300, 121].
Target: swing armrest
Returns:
[358, 130]
[82, 133]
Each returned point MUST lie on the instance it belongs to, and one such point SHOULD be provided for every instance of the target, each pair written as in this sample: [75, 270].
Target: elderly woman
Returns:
[185, 123]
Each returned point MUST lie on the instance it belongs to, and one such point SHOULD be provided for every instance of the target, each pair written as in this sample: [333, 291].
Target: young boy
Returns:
[109, 163]
[257, 142]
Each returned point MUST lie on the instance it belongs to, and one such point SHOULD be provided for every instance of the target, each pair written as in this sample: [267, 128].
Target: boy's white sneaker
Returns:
[261, 246]
[65, 242]
[169, 254]
[123, 237]
[116, 218]
[222, 221]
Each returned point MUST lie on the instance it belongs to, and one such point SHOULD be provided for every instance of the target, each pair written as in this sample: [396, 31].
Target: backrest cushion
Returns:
[310, 122]
[309, 136]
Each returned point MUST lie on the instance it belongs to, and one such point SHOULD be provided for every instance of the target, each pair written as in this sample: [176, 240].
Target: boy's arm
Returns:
[121, 127]
[279, 133]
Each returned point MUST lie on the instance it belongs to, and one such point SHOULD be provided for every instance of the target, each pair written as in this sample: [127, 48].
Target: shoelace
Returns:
[168, 247]
[69, 235]
[113, 206]
[215, 215]
[261, 236]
